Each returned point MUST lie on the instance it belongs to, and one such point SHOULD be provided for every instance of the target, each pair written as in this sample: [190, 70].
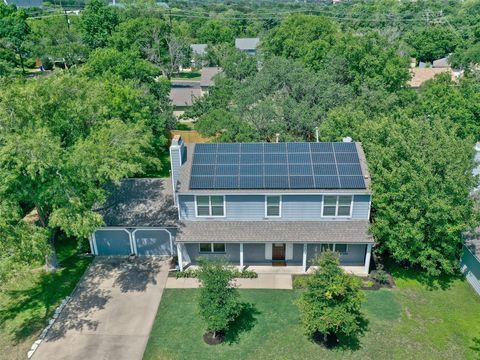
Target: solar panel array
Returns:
[276, 166]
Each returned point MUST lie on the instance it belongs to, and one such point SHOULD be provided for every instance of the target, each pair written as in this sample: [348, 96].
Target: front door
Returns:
[278, 252]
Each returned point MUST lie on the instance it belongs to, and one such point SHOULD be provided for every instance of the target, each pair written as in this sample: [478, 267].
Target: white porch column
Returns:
[180, 257]
[304, 258]
[241, 255]
[368, 255]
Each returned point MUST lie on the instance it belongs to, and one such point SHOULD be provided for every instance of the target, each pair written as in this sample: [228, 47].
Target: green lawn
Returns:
[408, 322]
[28, 302]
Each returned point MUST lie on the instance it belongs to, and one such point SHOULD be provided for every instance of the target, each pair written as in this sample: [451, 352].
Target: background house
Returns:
[207, 77]
[182, 95]
[199, 52]
[249, 45]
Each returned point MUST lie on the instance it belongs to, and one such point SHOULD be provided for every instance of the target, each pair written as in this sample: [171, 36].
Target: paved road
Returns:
[111, 314]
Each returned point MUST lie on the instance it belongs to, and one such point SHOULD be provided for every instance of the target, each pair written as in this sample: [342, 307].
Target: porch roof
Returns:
[275, 231]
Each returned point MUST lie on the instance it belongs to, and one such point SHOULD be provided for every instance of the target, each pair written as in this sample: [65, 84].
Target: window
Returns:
[210, 206]
[273, 205]
[337, 205]
[212, 247]
[326, 247]
[341, 248]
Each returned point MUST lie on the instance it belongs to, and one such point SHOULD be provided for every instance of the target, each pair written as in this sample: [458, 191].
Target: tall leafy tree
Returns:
[98, 20]
[14, 31]
[63, 138]
[433, 42]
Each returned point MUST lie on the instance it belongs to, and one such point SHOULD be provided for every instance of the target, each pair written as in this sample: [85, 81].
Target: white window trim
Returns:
[336, 207]
[211, 249]
[279, 210]
[210, 207]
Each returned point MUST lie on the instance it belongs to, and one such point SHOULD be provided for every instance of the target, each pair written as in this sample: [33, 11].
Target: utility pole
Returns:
[67, 19]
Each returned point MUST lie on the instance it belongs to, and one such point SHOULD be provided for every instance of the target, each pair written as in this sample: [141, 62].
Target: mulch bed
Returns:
[210, 340]
[377, 286]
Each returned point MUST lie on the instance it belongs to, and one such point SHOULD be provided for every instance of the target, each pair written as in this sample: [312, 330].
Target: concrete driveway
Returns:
[111, 313]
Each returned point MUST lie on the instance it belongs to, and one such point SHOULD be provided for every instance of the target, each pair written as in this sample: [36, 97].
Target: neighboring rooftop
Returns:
[184, 95]
[24, 3]
[246, 43]
[207, 74]
[275, 231]
[441, 63]
[199, 49]
[420, 75]
[289, 167]
[140, 202]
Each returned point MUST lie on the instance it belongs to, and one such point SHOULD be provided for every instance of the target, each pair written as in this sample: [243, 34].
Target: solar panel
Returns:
[324, 169]
[228, 159]
[272, 148]
[252, 148]
[228, 148]
[327, 182]
[204, 159]
[276, 166]
[299, 158]
[302, 182]
[276, 169]
[352, 182]
[251, 158]
[251, 182]
[205, 148]
[300, 169]
[345, 147]
[275, 158]
[349, 169]
[323, 158]
[203, 169]
[276, 182]
[347, 158]
[226, 170]
[226, 182]
[321, 147]
[251, 170]
[202, 182]
[298, 147]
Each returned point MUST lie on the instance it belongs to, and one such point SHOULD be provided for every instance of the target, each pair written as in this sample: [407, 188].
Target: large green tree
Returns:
[62, 139]
[98, 20]
[433, 42]
[14, 31]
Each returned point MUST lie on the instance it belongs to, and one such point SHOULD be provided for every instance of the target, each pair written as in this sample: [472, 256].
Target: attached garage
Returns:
[112, 242]
[153, 242]
[140, 219]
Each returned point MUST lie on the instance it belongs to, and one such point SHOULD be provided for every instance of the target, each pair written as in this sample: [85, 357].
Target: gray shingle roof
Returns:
[184, 96]
[140, 202]
[275, 231]
[199, 49]
[207, 75]
[247, 43]
[441, 63]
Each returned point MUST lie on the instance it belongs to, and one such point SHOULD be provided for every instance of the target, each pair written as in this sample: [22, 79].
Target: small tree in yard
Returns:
[218, 301]
[330, 305]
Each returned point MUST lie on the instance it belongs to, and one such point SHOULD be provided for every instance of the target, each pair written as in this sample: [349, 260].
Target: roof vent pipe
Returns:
[347, 139]
[277, 137]
[316, 133]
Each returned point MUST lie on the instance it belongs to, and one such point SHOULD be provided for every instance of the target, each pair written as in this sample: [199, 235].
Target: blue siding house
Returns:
[254, 204]
[269, 204]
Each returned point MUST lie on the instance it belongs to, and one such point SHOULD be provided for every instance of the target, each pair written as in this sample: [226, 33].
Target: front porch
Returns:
[264, 258]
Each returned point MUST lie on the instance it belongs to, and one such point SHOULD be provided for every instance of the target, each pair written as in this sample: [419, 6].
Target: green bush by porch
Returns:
[406, 322]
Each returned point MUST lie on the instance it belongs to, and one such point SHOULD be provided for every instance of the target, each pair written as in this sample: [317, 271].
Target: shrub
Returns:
[331, 303]
[187, 274]
[380, 276]
[300, 282]
[218, 299]
[245, 274]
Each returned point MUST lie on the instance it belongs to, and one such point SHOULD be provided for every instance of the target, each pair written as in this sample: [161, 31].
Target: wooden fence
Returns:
[190, 136]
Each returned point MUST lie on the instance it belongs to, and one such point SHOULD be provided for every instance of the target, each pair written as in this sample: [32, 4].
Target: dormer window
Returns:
[337, 206]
